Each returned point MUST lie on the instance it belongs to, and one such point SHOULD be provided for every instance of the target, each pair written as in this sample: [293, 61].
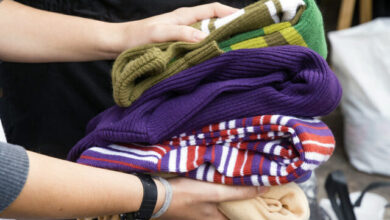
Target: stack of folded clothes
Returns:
[236, 108]
[255, 26]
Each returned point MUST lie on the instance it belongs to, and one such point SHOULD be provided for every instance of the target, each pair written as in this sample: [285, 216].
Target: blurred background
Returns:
[359, 53]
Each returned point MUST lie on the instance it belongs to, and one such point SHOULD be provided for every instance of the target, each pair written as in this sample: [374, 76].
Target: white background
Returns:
[2, 136]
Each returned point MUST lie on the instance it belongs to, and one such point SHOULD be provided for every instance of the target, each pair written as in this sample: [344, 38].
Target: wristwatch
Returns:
[149, 200]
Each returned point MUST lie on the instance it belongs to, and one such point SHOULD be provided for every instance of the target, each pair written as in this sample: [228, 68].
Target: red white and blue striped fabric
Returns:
[262, 150]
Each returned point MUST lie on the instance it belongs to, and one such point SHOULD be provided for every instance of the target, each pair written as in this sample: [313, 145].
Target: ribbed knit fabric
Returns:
[286, 80]
[14, 167]
[138, 69]
[305, 29]
[263, 150]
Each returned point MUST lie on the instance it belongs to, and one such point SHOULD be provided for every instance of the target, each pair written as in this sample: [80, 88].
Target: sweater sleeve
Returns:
[14, 166]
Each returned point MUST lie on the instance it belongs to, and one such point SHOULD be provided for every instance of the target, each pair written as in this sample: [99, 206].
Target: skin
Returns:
[32, 35]
[69, 190]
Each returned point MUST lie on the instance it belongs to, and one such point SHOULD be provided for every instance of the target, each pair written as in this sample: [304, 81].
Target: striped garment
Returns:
[284, 80]
[255, 26]
[277, 10]
[261, 150]
[304, 29]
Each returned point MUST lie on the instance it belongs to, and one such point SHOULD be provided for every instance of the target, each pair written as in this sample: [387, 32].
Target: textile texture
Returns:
[256, 26]
[262, 150]
[14, 166]
[286, 80]
[286, 202]
[38, 97]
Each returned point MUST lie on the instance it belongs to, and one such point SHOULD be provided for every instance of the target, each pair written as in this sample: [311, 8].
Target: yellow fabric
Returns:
[250, 44]
[292, 37]
[285, 202]
[284, 29]
[276, 27]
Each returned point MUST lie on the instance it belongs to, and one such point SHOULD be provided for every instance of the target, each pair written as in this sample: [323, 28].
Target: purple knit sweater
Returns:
[285, 80]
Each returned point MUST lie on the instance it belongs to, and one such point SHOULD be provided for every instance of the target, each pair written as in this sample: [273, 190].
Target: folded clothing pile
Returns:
[256, 26]
[286, 80]
[261, 150]
[236, 108]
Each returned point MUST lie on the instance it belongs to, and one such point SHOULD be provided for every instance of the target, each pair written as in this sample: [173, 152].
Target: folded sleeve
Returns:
[14, 165]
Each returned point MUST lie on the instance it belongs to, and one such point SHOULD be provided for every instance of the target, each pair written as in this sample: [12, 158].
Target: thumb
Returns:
[164, 33]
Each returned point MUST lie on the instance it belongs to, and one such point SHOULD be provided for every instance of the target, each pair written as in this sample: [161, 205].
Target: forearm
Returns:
[61, 189]
[32, 35]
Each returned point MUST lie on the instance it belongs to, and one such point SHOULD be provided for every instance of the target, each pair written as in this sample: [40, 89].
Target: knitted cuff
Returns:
[14, 166]
[154, 65]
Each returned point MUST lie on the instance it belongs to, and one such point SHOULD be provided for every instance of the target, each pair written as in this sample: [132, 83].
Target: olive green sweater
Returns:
[262, 24]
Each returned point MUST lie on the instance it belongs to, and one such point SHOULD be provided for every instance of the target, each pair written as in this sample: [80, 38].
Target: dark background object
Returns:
[381, 8]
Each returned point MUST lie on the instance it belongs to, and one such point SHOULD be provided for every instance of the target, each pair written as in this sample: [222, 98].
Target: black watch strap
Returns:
[149, 199]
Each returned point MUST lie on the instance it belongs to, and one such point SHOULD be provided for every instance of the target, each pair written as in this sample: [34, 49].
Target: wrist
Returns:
[160, 195]
[152, 198]
[167, 199]
[112, 39]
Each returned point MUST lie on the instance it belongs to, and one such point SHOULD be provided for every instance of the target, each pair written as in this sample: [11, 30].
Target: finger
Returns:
[232, 193]
[164, 33]
[220, 216]
[188, 16]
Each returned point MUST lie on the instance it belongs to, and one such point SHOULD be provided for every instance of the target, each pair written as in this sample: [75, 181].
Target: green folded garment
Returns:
[264, 23]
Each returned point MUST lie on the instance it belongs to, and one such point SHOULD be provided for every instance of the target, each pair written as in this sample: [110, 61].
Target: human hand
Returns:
[193, 199]
[64, 38]
[172, 26]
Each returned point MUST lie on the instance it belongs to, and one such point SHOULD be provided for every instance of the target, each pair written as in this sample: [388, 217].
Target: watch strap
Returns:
[149, 199]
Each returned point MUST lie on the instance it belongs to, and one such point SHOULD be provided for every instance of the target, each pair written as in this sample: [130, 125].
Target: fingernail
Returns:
[199, 35]
[262, 189]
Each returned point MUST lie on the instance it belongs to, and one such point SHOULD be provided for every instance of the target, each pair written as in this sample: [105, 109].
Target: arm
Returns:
[67, 190]
[32, 35]
[60, 189]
